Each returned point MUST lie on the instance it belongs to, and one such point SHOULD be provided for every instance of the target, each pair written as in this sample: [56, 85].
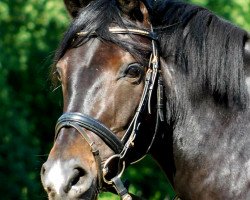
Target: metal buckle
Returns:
[116, 180]
[106, 168]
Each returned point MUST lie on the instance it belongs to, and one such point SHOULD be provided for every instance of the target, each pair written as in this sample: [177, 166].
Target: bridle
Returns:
[121, 147]
[81, 121]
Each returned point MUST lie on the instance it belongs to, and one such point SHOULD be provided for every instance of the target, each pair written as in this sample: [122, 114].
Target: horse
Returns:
[164, 78]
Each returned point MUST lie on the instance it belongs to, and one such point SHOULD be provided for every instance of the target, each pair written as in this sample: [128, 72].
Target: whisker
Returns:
[56, 88]
[42, 155]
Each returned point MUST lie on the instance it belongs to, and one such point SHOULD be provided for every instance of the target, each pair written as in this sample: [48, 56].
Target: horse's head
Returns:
[102, 67]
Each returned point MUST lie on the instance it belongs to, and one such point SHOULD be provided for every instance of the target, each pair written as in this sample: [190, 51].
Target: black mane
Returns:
[97, 17]
[206, 49]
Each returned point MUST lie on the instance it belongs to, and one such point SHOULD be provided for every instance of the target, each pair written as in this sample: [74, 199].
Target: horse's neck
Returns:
[209, 147]
[162, 151]
[207, 123]
[212, 146]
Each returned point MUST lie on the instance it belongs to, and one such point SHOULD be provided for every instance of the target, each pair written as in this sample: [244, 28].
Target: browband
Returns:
[118, 30]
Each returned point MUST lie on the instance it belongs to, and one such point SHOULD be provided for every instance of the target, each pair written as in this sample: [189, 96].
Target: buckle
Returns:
[116, 181]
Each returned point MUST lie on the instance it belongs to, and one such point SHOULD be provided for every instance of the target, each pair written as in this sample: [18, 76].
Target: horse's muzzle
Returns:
[67, 180]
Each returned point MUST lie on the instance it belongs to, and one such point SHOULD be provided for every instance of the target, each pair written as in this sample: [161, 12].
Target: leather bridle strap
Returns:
[80, 121]
[118, 30]
[94, 149]
[91, 124]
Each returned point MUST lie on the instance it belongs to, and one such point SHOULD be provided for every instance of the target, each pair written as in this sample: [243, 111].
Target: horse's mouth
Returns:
[89, 194]
[81, 197]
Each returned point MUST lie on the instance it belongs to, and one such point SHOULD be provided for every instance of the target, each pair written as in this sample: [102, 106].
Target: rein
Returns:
[121, 147]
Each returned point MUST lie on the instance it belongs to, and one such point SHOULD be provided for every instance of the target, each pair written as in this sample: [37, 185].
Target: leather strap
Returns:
[116, 30]
[91, 124]
[80, 121]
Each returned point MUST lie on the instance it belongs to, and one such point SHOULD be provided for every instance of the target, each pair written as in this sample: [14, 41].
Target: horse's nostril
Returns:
[48, 189]
[79, 172]
[76, 179]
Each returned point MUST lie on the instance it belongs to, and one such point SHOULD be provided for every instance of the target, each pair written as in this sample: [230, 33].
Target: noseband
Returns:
[121, 147]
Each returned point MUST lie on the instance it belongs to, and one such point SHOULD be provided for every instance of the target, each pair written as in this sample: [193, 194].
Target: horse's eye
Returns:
[134, 70]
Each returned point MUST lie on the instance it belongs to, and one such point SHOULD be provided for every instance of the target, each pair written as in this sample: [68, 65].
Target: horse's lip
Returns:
[89, 194]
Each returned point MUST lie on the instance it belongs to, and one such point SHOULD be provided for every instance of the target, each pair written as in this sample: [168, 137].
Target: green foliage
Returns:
[30, 31]
[236, 11]
[28, 39]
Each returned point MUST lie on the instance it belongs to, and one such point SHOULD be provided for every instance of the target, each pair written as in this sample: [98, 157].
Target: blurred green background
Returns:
[29, 34]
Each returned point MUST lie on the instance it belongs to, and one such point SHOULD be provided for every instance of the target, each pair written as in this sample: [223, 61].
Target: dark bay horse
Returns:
[159, 77]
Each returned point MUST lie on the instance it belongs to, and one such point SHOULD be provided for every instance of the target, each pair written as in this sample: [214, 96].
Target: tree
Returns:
[236, 11]
[29, 31]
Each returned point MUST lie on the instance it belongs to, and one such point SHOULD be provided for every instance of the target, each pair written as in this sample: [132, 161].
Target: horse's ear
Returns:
[73, 6]
[135, 10]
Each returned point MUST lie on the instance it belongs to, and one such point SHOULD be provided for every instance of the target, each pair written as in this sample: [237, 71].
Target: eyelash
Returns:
[133, 70]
